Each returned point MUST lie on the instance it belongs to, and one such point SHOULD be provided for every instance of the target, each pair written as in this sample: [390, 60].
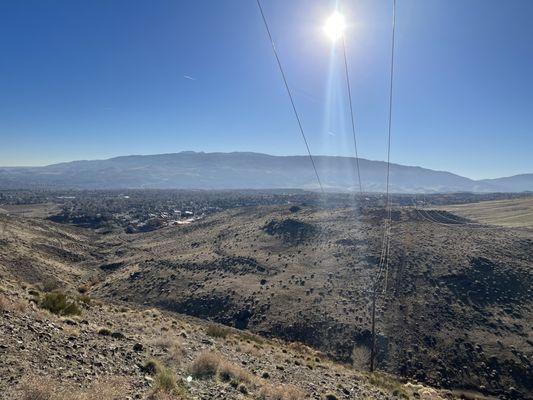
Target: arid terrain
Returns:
[454, 311]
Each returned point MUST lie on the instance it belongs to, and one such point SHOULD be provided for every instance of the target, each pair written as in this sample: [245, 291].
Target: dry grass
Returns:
[230, 372]
[282, 392]
[389, 383]
[166, 386]
[165, 380]
[4, 303]
[248, 348]
[13, 304]
[301, 348]
[509, 213]
[250, 337]
[205, 365]
[40, 388]
[173, 346]
[217, 331]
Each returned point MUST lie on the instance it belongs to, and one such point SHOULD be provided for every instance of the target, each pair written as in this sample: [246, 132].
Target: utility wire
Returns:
[351, 114]
[280, 66]
[385, 249]
[391, 87]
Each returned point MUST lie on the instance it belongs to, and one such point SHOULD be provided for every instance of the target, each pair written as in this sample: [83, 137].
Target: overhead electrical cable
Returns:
[351, 114]
[281, 70]
[385, 249]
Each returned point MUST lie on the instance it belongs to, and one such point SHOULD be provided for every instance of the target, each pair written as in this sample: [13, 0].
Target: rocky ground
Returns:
[112, 351]
[455, 307]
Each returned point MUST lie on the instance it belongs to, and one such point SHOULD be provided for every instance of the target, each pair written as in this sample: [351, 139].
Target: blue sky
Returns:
[101, 78]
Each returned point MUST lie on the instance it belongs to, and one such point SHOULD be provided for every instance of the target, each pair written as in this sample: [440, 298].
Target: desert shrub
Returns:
[205, 365]
[4, 303]
[49, 285]
[247, 336]
[282, 392]
[59, 303]
[165, 380]
[243, 389]
[360, 357]
[83, 289]
[299, 347]
[217, 331]
[176, 352]
[104, 332]
[167, 386]
[173, 346]
[12, 304]
[230, 372]
[388, 383]
[152, 367]
[83, 298]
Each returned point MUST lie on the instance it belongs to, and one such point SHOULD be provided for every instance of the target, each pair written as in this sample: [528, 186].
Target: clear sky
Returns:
[100, 78]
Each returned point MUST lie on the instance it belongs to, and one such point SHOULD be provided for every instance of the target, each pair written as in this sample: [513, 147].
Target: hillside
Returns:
[456, 307]
[454, 311]
[191, 170]
[510, 213]
[113, 350]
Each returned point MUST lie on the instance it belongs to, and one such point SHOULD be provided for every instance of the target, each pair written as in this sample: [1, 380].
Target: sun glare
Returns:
[335, 25]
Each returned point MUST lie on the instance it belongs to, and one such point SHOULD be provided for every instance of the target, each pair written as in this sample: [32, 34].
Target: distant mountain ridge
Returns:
[240, 170]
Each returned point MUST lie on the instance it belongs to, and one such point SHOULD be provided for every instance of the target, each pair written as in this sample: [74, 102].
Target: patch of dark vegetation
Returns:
[378, 215]
[111, 266]
[352, 242]
[235, 265]
[444, 217]
[291, 230]
[59, 303]
[217, 331]
[487, 283]
[84, 220]
[217, 308]
[60, 253]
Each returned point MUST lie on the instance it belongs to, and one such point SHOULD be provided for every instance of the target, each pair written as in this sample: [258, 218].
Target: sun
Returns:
[335, 25]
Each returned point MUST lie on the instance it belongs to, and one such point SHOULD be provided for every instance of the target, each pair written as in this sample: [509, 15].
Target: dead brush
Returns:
[217, 331]
[13, 304]
[248, 348]
[205, 365]
[229, 372]
[389, 383]
[4, 304]
[173, 346]
[300, 348]
[42, 388]
[281, 392]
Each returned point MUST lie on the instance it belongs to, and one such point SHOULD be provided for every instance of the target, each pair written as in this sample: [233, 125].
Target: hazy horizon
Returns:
[249, 151]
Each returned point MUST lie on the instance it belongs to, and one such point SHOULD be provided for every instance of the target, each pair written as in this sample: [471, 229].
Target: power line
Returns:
[280, 66]
[385, 250]
[351, 114]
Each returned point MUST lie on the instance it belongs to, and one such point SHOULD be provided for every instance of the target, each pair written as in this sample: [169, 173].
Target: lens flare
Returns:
[335, 25]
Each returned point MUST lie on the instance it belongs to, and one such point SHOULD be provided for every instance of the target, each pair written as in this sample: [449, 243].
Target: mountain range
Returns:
[240, 170]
